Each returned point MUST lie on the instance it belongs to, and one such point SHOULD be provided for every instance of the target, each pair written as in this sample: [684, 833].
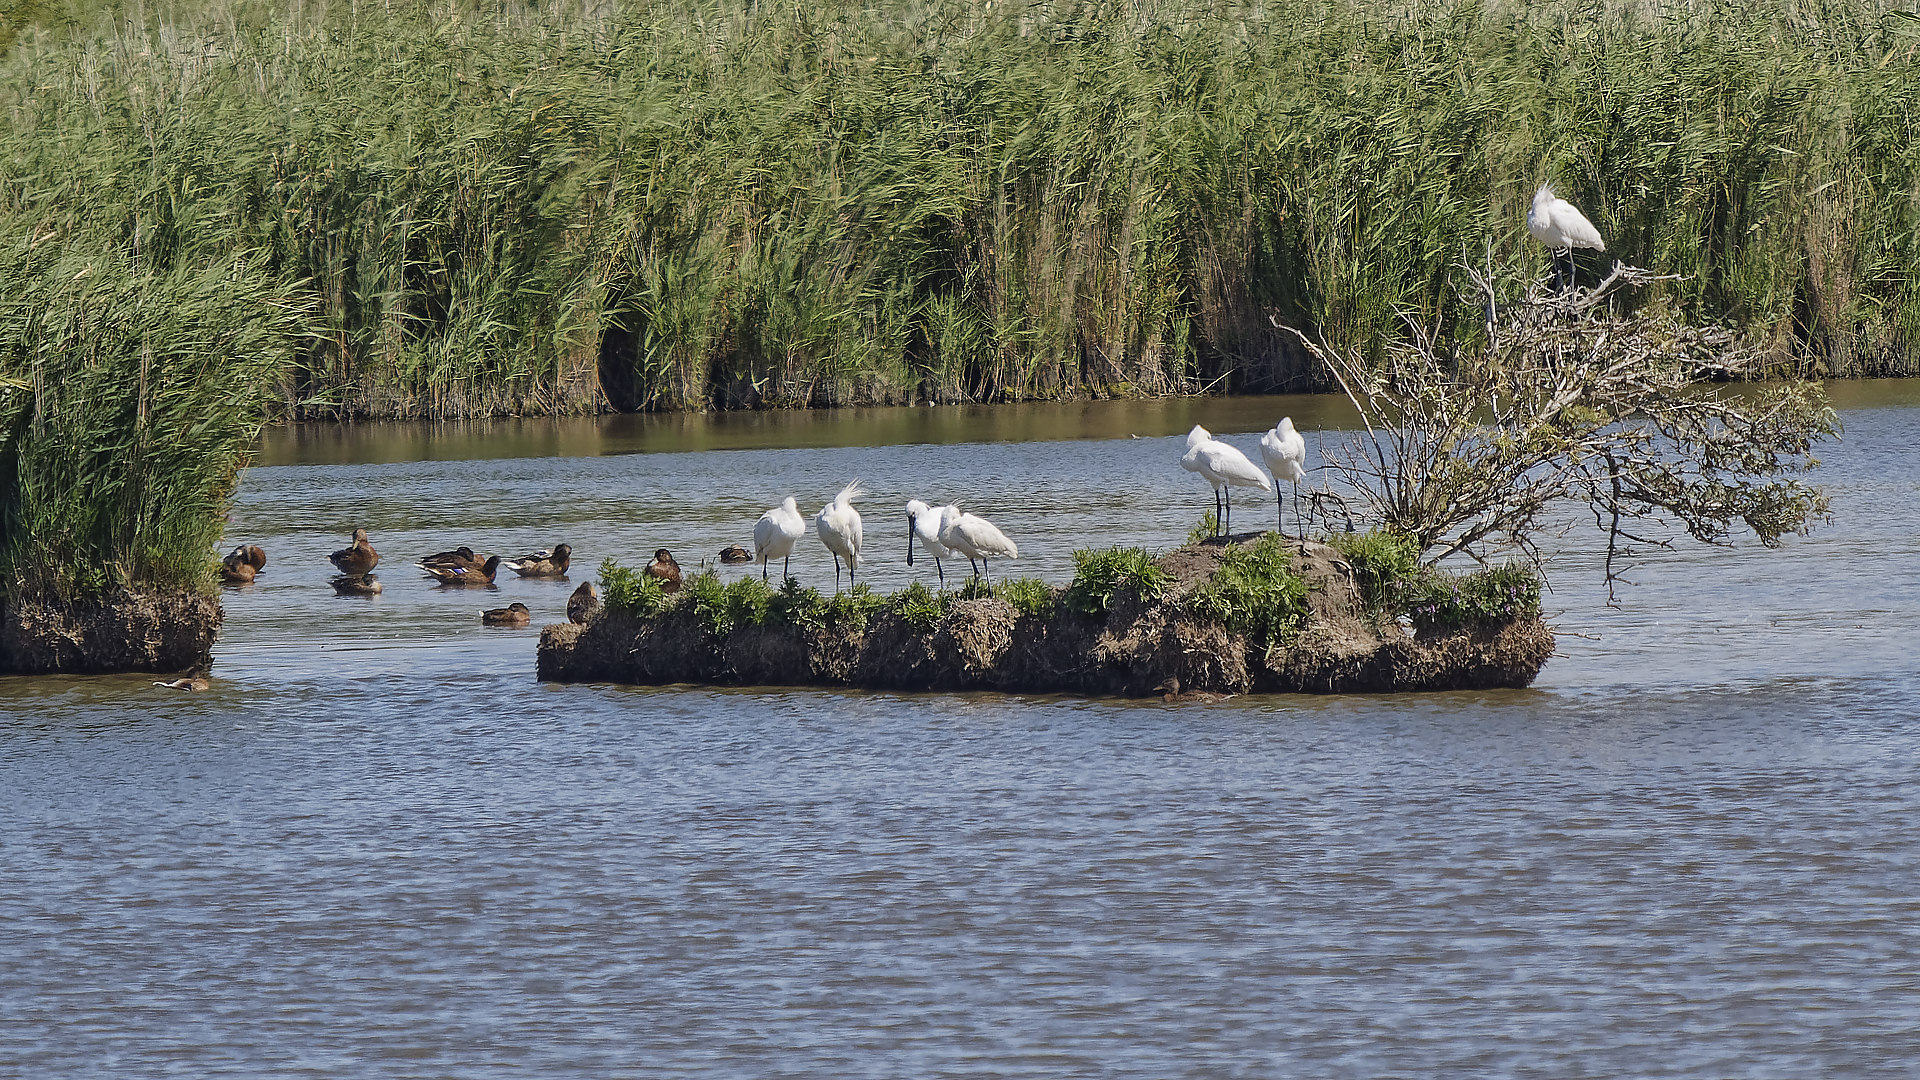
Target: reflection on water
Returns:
[378, 846]
[640, 433]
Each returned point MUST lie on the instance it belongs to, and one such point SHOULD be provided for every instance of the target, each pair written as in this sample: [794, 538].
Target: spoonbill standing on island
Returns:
[1286, 454]
[1225, 468]
[1560, 225]
[975, 537]
[923, 523]
[838, 524]
[775, 534]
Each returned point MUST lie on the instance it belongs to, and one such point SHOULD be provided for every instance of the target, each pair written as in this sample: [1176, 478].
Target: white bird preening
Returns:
[975, 537]
[923, 523]
[1561, 226]
[838, 524]
[1225, 468]
[775, 534]
[1286, 454]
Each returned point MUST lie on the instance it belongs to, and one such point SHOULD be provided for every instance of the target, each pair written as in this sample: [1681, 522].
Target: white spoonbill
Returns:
[975, 537]
[1561, 226]
[775, 534]
[1225, 468]
[838, 524]
[923, 523]
[1286, 454]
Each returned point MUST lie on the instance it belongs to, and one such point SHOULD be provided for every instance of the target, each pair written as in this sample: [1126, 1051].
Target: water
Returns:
[379, 847]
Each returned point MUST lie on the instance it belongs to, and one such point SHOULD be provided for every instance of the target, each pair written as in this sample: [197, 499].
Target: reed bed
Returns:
[673, 204]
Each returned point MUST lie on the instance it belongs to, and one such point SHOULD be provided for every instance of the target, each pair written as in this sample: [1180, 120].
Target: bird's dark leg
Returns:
[1216, 511]
[1280, 510]
[1296, 512]
[763, 571]
[786, 569]
[943, 574]
[1226, 528]
[976, 566]
[836, 572]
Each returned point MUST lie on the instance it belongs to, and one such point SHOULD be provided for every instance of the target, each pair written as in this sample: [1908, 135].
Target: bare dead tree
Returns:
[1640, 418]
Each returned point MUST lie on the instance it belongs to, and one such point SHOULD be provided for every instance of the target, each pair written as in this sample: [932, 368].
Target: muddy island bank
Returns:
[1246, 614]
[120, 630]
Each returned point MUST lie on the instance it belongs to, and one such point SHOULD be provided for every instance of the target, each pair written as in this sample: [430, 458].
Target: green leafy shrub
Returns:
[975, 589]
[1029, 596]
[721, 608]
[1100, 576]
[920, 606]
[851, 609]
[797, 605]
[630, 592]
[1255, 592]
[1204, 529]
[1439, 601]
[1382, 562]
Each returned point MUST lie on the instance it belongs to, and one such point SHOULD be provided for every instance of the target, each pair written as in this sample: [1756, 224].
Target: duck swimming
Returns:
[461, 575]
[542, 563]
[357, 559]
[664, 570]
[734, 554]
[357, 585]
[514, 614]
[460, 556]
[583, 603]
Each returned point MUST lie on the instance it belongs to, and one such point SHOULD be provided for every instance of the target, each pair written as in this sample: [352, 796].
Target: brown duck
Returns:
[664, 570]
[461, 575]
[240, 566]
[583, 603]
[514, 614]
[357, 559]
[734, 554]
[357, 585]
[462, 556]
[542, 563]
[195, 679]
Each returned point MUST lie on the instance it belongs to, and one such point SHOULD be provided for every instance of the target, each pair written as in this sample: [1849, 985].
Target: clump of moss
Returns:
[1029, 596]
[1382, 560]
[1438, 601]
[1100, 576]
[1255, 592]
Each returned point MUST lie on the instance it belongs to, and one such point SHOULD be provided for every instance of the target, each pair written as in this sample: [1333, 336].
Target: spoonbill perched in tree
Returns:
[1286, 454]
[975, 537]
[923, 523]
[1224, 468]
[1561, 226]
[775, 534]
[838, 524]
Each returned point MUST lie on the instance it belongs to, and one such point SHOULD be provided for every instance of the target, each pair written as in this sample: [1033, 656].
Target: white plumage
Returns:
[924, 524]
[1560, 225]
[1224, 467]
[838, 524]
[1285, 452]
[974, 536]
[775, 534]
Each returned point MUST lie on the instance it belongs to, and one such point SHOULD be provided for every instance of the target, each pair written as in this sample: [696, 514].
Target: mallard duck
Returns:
[462, 556]
[357, 559]
[251, 554]
[514, 614]
[357, 585]
[542, 563]
[583, 603]
[461, 575]
[664, 570]
[236, 573]
[734, 554]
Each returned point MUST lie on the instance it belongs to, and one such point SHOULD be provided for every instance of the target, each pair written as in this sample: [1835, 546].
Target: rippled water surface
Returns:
[378, 847]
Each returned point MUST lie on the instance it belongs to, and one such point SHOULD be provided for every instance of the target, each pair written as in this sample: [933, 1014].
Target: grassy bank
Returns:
[463, 209]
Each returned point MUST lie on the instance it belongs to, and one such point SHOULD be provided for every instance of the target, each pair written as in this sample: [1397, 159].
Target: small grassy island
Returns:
[1232, 615]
